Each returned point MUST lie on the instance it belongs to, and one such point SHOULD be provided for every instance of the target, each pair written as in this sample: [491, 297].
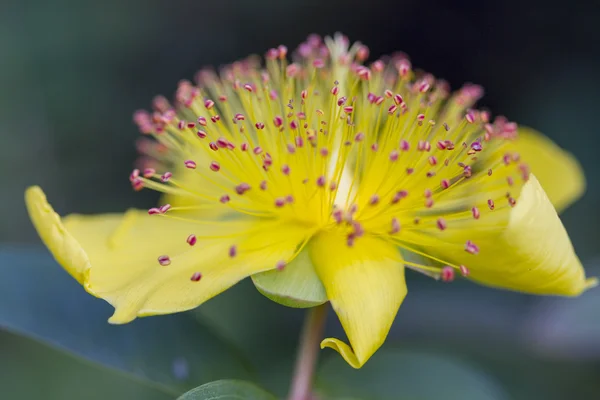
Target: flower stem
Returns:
[312, 331]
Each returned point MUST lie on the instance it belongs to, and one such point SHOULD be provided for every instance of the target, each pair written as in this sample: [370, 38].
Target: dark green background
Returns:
[72, 73]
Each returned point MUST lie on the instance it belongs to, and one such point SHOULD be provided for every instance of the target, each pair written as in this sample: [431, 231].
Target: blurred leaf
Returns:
[567, 328]
[38, 299]
[227, 390]
[32, 370]
[394, 374]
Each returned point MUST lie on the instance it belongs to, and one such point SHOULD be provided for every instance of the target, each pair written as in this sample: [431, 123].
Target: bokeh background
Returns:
[72, 73]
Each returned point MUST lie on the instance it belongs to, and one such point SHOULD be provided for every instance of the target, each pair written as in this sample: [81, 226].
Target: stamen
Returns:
[191, 240]
[196, 277]
[164, 260]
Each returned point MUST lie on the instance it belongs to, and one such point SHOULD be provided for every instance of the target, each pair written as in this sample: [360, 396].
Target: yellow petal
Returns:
[365, 284]
[525, 248]
[115, 256]
[558, 171]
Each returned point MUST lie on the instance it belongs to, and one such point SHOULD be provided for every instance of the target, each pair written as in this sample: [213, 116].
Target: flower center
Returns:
[328, 142]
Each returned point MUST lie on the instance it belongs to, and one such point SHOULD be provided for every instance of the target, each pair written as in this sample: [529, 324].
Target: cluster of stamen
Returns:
[332, 143]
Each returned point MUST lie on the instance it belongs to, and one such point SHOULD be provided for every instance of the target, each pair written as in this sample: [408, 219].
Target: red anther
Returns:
[278, 121]
[321, 181]
[512, 201]
[222, 98]
[164, 208]
[263, 185]
[149, 172]
[333, 186]
[291, 70]
[257, 150]
[432, 160]
[134, 175]
[363, 73]
[154, 211]
[476, 146]
[341, 101]
[362, 53]
[470, 117]
[304, 94]
[421, 117]
[427, 193]
[409, 171]
[222, 142]
[388, 93]
[181, 125]
[335, 90]
[463, 270]
[208, 104]
[337, 216]
[166, 176]
[213, 146]
[279, 202]
[272, 54]
[285, 169]
[196, 277]
[471, 247]
[379, 100]
[429, 202]
[348, 109]
[374, 200]
[392, 109]
[404, 145]
[201, 134]
[441, 224]
[190, 164]
[232, 251]
[214, 166]
[374, 147]
[324, 152]
[395, 226]
[318, 63]
[239, 117]
[280, 265]
[447, 274]
[225, 199]
[164, 260]
[445, 183]
[378, 66]
[242, 188]
[299, 141]
[394, 155]
[359, 137]
[398, 99]
[467, 171]
[490, 203]
[293, 125]
[244, 147]
[289, 199]
[215, 118]
[403, 66]
[259, 125]
[475, 212]
[191, 240]
[248, 87]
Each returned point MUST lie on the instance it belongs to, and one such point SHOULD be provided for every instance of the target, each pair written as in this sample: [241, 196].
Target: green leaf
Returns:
[397, 375]
[32, 370]
[227, 390]
[297, 285]
[38, 299]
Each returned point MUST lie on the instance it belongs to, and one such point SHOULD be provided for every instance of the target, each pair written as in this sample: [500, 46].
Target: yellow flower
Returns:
[314, 177]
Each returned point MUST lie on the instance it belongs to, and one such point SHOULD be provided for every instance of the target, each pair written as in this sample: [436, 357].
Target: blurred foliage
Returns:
[72, 73]
[227, 390]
